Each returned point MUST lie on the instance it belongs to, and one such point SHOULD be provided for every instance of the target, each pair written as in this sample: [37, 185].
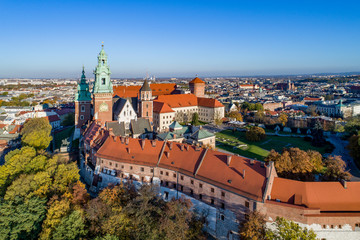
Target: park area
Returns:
[237, 143]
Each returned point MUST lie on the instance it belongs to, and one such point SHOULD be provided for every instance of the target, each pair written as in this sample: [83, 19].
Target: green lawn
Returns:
[230, 141]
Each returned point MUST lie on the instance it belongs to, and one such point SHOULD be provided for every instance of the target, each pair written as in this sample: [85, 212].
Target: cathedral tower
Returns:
[145, 102]
[82, 104]
[103, 90]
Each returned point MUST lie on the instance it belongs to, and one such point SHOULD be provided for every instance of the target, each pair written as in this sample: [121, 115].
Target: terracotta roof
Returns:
[311, 99]
[326, 196]
[52, 118]
[206, 165]
[209, 102]
[16, 129]
[133, 91]
[179, 100]
[115, 150]
[160, 107]
[197, 80]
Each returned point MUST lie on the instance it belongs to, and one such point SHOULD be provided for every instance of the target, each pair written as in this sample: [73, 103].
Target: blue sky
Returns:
[179, 38]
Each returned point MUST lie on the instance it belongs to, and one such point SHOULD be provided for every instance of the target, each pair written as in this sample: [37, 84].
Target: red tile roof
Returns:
[178, 100]
[209, 102]
[16, 129]
[206, 165]
[188, 100]
[133, 91]
[52, 118]
[326, 196]
[197, 80]
[160, 107]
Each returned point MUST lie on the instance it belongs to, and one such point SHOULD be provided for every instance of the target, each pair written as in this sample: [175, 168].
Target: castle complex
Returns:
[222, 186]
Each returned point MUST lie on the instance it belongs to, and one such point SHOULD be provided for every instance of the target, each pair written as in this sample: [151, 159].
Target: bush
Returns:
[255, 134]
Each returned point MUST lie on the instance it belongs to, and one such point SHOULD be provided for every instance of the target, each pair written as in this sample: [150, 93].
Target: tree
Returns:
[36, 133]
[236, 115]
[259, 116]
[336, 169]
[217, 118]
[311, 110]
[21, 219]
[71, 226]
[255, 134]
[288, 230]
[283, 118]
[195, 119]
[354, 148]
[258, 107]
[69, 120]
[254, 227]
[318, 134]
[352, 127]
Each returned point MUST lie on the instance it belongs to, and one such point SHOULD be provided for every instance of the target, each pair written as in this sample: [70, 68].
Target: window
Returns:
[82, 108]
[103, 81]
[332, 226]
[182, 177]
[223, 194]
[247, 204]
[167, 173]
[152, 170]
[212, 201]
[192, 182]
[200, 185]
[222, 217]
[122, 166]
[116, 165]
[110, 163]
[161, 172]
[212, 190]
[167, 183]
[147, 114]
[142, 169]
[81, 117]
[324, 226]
[181, 188]
[223, 205]
[166, 195]
[191, 192]
[200, 196]
[174, 175]
[131, 168]
[340, 227]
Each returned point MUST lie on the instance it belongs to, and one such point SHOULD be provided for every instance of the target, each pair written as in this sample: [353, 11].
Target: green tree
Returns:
[352, 127]
[71, 227]
[195, 119]
[288, 230]
[21, 219]
[255, 134]
[254, 227]
[236, 115]
[354, 148]
[36, 133]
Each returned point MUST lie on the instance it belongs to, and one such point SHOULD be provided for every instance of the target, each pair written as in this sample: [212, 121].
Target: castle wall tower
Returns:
[103, 90]
[197, 87]
[82, 102]
[146, 102]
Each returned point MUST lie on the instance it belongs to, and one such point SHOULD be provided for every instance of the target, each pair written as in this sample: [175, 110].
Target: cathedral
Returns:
[139, 109]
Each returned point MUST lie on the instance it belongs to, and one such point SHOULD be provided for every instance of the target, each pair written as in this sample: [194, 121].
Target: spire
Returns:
[83, 78]
[102, 73]
[145, 86]
[83, 93]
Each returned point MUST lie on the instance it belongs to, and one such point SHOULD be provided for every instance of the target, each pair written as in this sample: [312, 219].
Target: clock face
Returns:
[103, 107]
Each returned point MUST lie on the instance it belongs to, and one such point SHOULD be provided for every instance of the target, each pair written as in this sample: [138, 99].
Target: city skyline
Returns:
[179, 39]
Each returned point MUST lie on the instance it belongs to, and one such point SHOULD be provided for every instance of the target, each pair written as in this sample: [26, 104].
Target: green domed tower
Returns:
[103, 89]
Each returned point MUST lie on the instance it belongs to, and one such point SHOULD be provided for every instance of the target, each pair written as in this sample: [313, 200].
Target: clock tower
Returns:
[102, 90]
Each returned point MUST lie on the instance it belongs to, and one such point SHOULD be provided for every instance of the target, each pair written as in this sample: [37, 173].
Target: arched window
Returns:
[82, 108]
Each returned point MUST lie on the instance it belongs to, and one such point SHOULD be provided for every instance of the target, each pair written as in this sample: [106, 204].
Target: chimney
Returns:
[244, 174]
[174, 136]
[142, 144]
[252, 161]
[154, 143]
[167, 154]
[182, 147]
[122, 139]
[187, 147]
[344, 183]
[114, 138]
[228, 160]
[197, 148]
[128, 150]
[127, 140]
[170, 145]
